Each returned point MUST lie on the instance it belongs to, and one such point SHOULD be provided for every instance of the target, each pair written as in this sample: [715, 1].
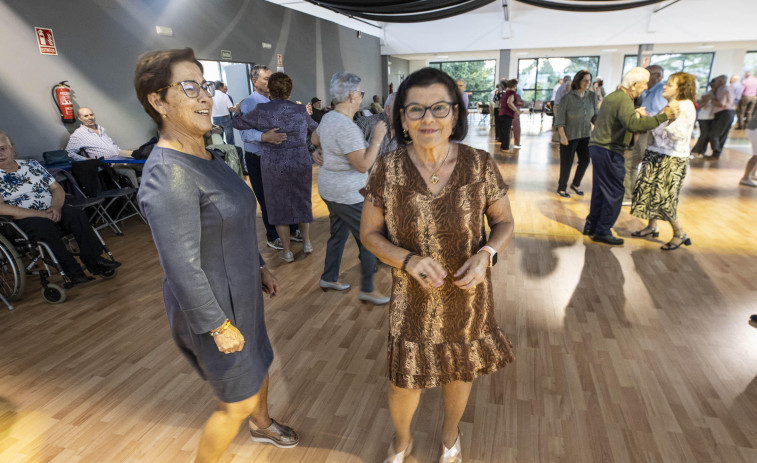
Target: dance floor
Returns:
[623, 354]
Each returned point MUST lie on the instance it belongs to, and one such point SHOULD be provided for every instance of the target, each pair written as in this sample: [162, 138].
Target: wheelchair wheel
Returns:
[12, 271]
[108, 274]
[54, 294]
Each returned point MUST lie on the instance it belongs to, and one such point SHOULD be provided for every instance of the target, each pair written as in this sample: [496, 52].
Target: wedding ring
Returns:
[423, 275]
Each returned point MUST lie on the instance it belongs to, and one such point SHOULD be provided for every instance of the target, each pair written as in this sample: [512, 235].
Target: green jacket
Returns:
[617, 121]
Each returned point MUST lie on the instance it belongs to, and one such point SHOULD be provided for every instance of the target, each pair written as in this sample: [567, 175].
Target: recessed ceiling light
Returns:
[522, 53]
[610, 49]
[705, 47]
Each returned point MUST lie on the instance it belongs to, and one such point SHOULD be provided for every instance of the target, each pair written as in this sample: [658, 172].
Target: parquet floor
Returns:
[624, 354]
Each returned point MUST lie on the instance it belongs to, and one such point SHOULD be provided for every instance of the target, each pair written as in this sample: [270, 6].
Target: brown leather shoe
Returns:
[277, 434]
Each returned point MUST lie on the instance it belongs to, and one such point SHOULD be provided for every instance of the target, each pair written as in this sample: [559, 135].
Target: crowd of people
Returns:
[392, 181]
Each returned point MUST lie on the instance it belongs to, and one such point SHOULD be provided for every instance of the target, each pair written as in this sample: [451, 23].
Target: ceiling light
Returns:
[522, 53]
[705, 47]
[610, 49]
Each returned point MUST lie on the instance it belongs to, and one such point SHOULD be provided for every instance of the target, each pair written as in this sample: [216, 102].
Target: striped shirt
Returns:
[97, 146]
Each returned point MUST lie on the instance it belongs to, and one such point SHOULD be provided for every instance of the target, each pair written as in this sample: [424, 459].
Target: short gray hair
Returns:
[255, 71]
[342, 83]
[637, 74]
[7, 137]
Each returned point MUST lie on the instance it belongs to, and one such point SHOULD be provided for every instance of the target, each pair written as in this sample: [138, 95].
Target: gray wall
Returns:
[99, 41]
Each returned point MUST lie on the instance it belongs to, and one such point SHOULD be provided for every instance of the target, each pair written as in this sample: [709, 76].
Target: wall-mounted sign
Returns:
[45, 41]
[225, 54]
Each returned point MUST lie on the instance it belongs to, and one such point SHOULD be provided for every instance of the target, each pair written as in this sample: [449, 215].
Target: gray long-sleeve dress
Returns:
[202, 217]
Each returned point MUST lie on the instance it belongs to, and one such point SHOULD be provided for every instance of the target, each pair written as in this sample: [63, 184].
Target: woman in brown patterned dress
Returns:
[423, 214]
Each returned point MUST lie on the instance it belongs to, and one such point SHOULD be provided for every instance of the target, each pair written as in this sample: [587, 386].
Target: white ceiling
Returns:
[687, 24]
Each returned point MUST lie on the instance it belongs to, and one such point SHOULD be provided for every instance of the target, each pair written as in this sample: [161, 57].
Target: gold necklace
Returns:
[435, 178]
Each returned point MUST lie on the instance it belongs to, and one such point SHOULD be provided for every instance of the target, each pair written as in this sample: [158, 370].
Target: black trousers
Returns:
[497, 125]
[256, 180]
[705, 133]
[507, 126]
[721, 125]
[606, 191]
[578, 146]
[74, 221]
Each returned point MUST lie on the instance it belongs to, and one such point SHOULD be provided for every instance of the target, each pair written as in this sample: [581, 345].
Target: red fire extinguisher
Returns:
[62, 97]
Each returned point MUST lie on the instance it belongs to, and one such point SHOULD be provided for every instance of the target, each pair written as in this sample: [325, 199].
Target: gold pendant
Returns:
[434, 179]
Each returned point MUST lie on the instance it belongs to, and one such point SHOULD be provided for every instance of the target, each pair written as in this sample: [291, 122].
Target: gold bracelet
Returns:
[223, 328]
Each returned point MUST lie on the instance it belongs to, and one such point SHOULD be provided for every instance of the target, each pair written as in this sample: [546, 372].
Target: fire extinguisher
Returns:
[62, 97]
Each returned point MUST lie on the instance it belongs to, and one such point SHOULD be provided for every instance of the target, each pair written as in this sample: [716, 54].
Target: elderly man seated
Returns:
[35, 201]
[96, 143]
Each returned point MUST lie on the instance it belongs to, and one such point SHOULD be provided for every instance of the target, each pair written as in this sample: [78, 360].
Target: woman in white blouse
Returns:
[665, 164]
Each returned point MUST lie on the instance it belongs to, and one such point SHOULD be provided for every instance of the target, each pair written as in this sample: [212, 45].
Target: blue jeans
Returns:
[228, 129]
[606, 190]
[345, 219]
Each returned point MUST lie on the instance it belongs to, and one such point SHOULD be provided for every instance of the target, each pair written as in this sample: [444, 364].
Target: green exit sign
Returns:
[225, 54]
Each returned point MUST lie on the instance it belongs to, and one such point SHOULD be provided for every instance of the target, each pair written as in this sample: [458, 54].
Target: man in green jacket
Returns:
[616, 122]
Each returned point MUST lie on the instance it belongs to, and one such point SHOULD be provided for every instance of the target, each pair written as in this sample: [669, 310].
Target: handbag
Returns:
[56, 157]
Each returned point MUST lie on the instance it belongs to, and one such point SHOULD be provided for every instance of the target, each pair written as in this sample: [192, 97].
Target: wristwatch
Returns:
[492, 254]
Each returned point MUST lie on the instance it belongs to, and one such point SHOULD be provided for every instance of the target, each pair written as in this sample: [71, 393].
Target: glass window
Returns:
[479, 77]
[750, 62]
[699, 64]
[537, 77]
[629, 62]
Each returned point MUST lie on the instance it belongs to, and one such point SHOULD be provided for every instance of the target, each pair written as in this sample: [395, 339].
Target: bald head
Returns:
[655, 75]
[87, 118]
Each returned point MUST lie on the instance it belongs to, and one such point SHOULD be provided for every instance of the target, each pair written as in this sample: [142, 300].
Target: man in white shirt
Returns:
[223, 108]
[91, 141]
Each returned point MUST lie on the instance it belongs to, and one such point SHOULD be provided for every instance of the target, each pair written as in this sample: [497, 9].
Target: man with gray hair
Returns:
[368, 125]
[652, 102]
[616, 121]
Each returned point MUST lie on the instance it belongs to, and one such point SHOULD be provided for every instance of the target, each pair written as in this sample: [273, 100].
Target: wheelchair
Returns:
[16, 246]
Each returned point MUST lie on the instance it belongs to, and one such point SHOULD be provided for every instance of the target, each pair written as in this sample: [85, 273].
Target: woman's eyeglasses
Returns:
[439, 110]
[192, 88]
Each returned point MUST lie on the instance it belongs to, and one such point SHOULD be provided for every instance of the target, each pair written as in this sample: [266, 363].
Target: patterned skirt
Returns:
[655, 194]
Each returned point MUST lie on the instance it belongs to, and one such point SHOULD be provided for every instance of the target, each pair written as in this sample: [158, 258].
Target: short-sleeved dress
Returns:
[286, 169]
[202, 218]
[444, 334]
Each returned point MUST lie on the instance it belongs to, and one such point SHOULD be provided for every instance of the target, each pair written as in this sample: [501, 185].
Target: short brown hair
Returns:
[279, 86]
[687, 85]
[154, 72]
[576, 84]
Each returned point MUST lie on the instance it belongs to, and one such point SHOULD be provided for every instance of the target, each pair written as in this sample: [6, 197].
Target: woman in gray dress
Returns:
[202, 217]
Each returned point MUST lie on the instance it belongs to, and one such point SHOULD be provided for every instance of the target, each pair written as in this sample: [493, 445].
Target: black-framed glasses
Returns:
[192, 88]
[439, 110]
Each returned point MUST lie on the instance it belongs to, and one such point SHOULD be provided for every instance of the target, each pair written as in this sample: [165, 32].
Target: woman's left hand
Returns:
[270, 284]
[473, 271]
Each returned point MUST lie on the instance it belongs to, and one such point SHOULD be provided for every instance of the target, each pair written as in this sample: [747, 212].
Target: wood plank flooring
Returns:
[625, 354]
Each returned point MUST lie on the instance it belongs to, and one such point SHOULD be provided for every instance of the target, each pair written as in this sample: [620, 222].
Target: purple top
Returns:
[291, 118]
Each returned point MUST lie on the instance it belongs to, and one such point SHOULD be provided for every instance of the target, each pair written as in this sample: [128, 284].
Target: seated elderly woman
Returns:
[286, 168]
[426, 206]
[35, 200]
[202, 218]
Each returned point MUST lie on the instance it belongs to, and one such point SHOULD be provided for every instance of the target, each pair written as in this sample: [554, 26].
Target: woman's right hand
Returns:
[426, 271]
[379, 132]
[563, 140]
[230, 341]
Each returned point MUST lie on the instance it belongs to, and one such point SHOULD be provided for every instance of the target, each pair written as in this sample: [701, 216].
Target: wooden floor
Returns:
[624, 354]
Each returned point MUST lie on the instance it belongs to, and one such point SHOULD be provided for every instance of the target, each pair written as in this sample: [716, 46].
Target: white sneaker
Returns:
[288, 257]
[748, 182]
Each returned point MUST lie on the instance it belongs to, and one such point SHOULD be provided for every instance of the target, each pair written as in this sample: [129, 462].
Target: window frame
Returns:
[534, 91]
